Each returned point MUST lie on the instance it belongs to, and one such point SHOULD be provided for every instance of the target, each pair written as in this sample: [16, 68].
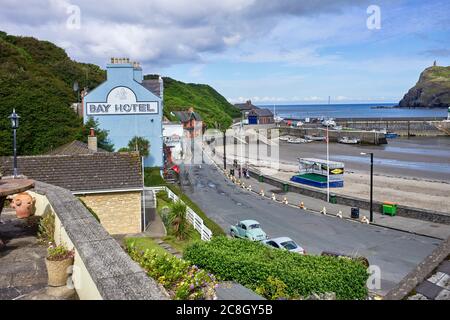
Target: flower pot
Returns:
[24, 204]
[58, 271]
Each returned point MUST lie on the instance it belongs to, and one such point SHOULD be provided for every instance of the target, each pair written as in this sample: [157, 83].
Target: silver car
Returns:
[284, 243]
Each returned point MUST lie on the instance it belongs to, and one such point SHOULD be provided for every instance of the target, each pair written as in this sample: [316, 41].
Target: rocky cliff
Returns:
[431, 91]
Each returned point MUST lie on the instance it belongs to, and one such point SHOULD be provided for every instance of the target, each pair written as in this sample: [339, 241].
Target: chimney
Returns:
[92, 140]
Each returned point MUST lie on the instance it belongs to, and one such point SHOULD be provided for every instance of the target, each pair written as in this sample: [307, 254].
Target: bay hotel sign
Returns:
[120, 101]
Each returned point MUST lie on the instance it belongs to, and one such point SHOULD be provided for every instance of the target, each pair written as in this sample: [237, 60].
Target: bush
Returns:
[152, 177]
[182, 280]
[256, 266]
[46, 228]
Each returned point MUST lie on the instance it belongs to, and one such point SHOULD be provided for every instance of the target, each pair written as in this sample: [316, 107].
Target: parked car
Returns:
[248, 229]
[284, 243]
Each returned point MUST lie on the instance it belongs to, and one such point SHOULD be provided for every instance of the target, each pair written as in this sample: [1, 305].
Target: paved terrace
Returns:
[102, 270]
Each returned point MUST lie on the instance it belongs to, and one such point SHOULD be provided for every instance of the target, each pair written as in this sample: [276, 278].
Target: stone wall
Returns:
[119, 212]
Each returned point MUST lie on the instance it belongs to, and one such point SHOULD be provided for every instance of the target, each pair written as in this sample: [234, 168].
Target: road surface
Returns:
[395, 252]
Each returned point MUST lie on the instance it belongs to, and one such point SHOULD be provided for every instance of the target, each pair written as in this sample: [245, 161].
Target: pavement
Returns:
[437, 286]
[395, 252]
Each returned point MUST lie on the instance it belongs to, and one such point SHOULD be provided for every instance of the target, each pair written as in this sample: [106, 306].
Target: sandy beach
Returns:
[412, 172]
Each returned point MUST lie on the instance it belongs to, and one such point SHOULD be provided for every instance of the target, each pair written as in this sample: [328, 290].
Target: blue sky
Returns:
[271, 52]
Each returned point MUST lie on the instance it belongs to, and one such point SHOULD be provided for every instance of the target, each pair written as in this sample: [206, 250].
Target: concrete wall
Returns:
[119, 212]
[401, 127]
[102, 270]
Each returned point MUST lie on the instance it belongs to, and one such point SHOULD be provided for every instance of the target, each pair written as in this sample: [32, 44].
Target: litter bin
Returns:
[333, 198]
[261, 179]
[285, 187]
[355, 213]
[390, 208]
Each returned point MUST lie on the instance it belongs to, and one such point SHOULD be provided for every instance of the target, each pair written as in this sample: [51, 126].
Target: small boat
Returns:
[315, 138]
[390, 135]
[298, 140]
[347, 140]
[329, 123]
[285, 138]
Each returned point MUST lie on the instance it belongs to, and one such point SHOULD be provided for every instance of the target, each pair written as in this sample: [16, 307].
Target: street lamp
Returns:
[371, 183]
[14, 125]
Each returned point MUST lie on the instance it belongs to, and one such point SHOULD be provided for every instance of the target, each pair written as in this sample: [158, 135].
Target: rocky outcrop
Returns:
[431, 91]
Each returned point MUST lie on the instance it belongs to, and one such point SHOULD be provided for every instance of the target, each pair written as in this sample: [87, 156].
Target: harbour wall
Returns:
[366, 137]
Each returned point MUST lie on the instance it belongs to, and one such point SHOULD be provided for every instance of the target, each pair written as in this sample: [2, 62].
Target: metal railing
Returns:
[193, 218]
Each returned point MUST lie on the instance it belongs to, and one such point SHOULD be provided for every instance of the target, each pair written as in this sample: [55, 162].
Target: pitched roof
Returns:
[82, 172]
[261, 112]
[184, 116]
[74, 147]
[153, 85]
[246, 106]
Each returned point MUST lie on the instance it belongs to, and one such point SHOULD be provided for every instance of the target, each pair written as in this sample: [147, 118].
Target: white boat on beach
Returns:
[285, 138]
[298, 140]
[315, 138]
[347, 140]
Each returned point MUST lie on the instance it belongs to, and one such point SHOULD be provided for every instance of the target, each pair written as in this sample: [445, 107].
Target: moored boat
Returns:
[347, 140]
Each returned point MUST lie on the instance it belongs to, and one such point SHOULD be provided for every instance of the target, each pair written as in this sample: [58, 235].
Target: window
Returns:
[254, 226]
[289, 245]
[273, 244]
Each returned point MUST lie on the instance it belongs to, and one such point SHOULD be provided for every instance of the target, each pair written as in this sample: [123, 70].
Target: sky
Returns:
[272, 52]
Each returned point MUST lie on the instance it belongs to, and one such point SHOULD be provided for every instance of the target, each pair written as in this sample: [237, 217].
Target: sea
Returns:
[352, 111]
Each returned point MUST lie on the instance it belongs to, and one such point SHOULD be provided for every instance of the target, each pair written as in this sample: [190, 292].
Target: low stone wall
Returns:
[102, 270]
[420, 273]
[403, 211]
[119, 212]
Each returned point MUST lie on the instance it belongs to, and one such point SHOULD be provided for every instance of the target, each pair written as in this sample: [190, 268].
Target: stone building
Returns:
[260, 116]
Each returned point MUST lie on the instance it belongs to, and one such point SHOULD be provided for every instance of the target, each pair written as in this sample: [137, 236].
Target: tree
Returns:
[178, 220]
[140, 144]
[102, 135]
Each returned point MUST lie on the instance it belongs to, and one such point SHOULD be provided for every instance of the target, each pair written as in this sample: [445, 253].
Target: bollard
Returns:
[339, 215]
[365, 220]
[274, 198]
[285, 200]
[302, 206]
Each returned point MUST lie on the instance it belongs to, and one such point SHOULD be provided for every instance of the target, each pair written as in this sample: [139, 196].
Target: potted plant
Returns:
[58, 260]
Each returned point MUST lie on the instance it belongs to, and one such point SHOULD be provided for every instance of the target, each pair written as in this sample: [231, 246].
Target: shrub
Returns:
[256, 266]
[178, 220]
[46, 228]
[58, 253]
[182, 280]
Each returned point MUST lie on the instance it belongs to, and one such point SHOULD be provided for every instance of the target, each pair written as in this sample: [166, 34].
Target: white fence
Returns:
[191, 216]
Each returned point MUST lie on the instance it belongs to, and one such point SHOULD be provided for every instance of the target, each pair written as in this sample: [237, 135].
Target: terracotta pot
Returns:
[58, 271]
[24, 204]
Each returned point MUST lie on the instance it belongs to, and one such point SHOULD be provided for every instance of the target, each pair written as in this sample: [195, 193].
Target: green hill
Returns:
[36, 78]
[431, 91]
[213, 107]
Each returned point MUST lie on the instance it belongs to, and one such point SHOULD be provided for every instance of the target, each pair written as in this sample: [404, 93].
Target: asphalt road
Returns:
[395, 252]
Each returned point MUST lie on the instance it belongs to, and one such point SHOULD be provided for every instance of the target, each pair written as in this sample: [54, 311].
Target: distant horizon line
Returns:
[326, 104]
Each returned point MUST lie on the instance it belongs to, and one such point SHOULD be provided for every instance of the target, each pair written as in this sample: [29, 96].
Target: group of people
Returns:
[243, 172]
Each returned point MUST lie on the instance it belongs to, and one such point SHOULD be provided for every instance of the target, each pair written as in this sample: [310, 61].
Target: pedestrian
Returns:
[240, 174]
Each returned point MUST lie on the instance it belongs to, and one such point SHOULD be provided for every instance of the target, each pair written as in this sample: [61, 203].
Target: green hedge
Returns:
[254, 265]
[152, 178]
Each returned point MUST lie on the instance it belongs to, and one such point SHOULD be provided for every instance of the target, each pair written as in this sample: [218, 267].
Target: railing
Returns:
[192, 217]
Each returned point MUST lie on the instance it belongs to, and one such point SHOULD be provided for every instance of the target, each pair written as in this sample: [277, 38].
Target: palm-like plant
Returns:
[178, 220]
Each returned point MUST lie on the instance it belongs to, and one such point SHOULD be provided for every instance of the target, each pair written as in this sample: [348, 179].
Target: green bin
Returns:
[390, 208]
[285, 187]
[333, 198]
[261, 179]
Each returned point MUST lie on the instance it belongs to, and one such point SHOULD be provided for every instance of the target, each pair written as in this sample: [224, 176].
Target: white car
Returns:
[284, 243]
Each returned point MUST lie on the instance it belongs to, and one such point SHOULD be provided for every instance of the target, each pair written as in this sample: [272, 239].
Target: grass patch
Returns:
[144, 243]
[181, 245]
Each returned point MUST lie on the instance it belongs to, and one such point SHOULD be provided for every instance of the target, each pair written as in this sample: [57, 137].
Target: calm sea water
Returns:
[352, 111]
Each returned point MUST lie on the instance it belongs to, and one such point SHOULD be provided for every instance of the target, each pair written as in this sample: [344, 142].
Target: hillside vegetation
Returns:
[213, 107]
[431, 91]
[36, 78]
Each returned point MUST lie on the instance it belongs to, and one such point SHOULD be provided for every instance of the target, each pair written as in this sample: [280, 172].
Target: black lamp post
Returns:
[371, 183]
[14, 125]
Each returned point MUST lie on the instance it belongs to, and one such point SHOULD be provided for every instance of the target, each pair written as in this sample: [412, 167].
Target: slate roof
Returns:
[81, 172]
[261, 113]
[74, 147]
[245, 106]
[153, 85]
[184, 116]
